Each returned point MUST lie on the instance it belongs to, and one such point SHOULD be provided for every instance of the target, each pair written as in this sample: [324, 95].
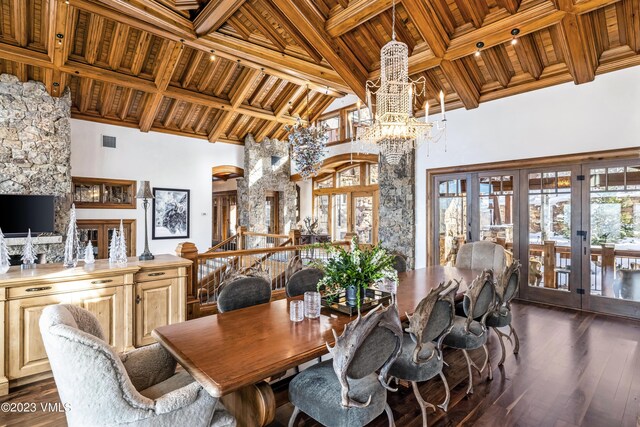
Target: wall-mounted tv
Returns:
[19, 213]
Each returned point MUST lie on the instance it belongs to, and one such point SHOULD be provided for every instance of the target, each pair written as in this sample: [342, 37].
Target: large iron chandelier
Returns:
[393, 129]
[308, 144]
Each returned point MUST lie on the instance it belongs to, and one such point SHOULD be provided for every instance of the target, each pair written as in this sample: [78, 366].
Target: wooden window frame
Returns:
[103, 182]
[103, 226]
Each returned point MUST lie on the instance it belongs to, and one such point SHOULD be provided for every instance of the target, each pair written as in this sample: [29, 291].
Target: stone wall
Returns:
[397, 225]
[35, 145]
[261, 176]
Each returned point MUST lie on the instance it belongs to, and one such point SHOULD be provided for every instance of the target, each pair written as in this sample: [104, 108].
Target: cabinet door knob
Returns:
[138, 299]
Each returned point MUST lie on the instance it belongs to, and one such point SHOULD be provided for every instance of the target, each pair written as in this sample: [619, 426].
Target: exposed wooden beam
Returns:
[94, 38]
[280, 110]
[169, 58]
[140, 55]
[276, 63]
[461, 83]
[358, 12]
[202, 119]
[334, 51]
[125, 103]
[264, 26]
[473, 10]
[576, 55]
[86, 89]
[106, 99]
[511, 5]
[61, 23]
[214, 14]
[19, 23]
[169, 116]
[427, 24]
[118, 45]
[188, 117]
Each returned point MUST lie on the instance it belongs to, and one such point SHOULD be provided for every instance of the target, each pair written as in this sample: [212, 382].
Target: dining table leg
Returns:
[252, 406]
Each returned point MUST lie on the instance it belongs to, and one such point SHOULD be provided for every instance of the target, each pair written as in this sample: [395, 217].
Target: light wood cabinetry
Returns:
[129, 302]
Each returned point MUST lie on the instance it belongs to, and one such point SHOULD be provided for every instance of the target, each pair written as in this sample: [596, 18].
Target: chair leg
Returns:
[512, 331]
[487, 362]
[500, 338]
[423, 404]
[469, 363]
[445, 405]
[387, 409]
[292, 420]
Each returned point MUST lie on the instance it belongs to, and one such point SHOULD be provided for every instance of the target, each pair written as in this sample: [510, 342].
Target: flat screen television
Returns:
[19, 213]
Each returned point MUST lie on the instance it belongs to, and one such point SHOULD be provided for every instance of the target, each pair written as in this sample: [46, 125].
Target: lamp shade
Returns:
[144, 191]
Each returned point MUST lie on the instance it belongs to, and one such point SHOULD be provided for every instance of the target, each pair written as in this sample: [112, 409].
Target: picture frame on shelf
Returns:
[170, 213]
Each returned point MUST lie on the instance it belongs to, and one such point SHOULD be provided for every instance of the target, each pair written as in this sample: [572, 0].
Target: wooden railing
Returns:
[210, 269]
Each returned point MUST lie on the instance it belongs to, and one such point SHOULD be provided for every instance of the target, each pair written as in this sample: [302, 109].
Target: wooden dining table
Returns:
[231, 354]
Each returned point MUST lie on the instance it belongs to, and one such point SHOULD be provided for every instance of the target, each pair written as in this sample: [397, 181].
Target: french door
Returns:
[575, 229]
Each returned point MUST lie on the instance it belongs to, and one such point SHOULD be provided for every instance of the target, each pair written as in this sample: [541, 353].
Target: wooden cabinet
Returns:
[156, 305]
[128, 301]
[98, 193]
[99, 232]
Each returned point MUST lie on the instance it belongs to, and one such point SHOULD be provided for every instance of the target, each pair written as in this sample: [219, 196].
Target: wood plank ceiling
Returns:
[221, 69]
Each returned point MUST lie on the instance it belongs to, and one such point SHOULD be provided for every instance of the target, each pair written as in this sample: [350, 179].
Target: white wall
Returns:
[165, 160]
[564, 119]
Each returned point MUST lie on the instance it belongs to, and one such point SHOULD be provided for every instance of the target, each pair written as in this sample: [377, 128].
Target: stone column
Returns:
[397, 224]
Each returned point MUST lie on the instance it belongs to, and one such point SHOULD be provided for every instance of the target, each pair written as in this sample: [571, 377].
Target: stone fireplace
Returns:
[35, 152]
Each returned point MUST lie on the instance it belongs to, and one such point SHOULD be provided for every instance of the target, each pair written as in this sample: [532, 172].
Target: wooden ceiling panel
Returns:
[147, 63]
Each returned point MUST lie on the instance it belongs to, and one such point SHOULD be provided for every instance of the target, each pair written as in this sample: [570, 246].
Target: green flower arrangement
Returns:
[354, 270]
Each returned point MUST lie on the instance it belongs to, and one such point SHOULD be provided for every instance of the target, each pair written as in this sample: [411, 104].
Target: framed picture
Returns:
[171, 211]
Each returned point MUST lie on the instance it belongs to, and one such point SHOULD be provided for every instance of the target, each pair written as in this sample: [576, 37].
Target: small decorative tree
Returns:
[28, 253]
[113, 247]
[89, 258]
[4, 255]
[72, 243]
[121, 251]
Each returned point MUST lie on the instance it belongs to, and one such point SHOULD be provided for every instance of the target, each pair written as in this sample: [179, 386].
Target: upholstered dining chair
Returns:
[421, 356]
[138, 388]
[481, 255]
[305, 280]
[346, 391]
[244, 292]
[468, 333]
[506, 288]
[399, 262]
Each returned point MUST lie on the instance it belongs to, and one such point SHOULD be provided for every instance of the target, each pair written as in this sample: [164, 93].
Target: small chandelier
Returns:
[393, 129]
[308, 144]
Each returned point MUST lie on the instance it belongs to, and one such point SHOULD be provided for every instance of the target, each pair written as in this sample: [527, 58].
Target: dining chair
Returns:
[346, 391]
[137, 388]
[421, 356]
[506, 288]
[468, 333]
[481, 255]
[243, 292]
[305, 280]
[399, 262]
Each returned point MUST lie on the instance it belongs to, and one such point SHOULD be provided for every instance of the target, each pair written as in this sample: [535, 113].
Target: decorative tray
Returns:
[372, 298]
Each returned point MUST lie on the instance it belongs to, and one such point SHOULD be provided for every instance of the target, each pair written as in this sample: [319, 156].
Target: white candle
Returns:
[358, 107]
[369, 103]
[426, 111]
[442, 104]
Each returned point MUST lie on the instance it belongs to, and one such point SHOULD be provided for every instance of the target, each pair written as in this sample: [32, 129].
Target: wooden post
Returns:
[549, 263]
[294, 235]
[608, 269]
[240, 240]
[189, 251]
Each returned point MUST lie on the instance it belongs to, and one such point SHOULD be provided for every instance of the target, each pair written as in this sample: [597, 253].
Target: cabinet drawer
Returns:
[152, 275]
[45, 288]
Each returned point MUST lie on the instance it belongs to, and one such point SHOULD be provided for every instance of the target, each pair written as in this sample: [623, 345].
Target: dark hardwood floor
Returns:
[574, 369]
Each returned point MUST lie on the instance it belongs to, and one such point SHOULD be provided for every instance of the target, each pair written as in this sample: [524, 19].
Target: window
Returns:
[373, 174]
[324, 183]
[349, 177]
[353, 120]
[333, 124]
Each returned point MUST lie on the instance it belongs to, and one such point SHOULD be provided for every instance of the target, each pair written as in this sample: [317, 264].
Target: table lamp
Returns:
[144, 193]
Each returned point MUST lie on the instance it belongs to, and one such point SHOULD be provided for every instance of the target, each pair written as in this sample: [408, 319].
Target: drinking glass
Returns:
[312, 304]
[296, 311]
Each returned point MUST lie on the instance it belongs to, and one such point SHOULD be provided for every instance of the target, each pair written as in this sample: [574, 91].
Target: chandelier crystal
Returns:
[393, 129]
[308, 144]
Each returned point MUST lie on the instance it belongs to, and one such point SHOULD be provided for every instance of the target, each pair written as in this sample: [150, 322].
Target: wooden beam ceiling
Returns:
[221, 69]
